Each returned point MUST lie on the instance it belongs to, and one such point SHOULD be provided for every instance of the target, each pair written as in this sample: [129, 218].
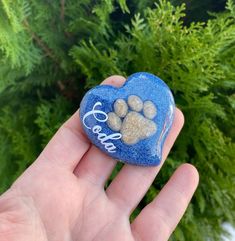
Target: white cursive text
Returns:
[102, 137]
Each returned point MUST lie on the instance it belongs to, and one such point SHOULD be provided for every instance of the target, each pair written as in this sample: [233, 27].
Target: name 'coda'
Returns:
[97, 129]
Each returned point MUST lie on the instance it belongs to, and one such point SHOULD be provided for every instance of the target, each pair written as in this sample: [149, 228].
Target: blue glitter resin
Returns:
[147, 152]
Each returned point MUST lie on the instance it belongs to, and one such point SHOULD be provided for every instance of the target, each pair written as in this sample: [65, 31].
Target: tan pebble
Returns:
[114, 122]
[120, 107]
[149, 129]
[136, 127]
[149, 109]
[135, 103]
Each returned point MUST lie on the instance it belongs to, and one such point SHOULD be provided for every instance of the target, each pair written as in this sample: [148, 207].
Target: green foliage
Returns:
[15, 43]
[50, 53]
[199, 10]
[50, 115]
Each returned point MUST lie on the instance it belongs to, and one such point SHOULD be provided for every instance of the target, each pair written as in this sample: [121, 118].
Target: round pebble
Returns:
[149, 109]
[120, 107]
[114, 122]
[135, 103]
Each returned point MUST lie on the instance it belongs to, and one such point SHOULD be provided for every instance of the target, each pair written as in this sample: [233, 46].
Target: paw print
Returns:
[133, 119]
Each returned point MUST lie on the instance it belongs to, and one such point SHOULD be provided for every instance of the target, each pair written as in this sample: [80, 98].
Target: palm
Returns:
[61, 197]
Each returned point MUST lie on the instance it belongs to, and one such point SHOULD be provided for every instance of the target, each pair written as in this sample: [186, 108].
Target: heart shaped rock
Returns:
[129, 123]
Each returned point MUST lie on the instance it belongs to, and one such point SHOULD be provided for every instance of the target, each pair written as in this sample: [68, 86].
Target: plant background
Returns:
[52, 52]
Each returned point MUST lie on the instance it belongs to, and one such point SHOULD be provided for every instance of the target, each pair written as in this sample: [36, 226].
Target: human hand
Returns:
[61, 196]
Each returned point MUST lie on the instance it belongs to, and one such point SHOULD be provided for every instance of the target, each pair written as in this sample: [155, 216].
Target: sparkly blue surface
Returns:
[147, 152]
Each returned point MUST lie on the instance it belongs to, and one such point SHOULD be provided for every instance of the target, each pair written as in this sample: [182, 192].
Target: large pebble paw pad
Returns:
[133, 119]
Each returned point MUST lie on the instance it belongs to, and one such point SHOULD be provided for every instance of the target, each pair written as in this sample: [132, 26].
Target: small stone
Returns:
[114, 122]
[135, 103]
[149, 109]
[120, 107]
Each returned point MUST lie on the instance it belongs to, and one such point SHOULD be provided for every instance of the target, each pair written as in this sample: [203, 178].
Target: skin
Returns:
[61, 196]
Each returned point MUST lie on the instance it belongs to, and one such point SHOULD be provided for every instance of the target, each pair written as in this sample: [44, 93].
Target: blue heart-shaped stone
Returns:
[129, 123]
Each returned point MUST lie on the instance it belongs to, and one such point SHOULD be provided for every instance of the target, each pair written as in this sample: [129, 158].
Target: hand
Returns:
[61, 196]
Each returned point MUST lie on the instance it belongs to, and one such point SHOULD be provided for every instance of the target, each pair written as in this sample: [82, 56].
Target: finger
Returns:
[67, 146]
[158, 219]
[95, 165]
[132, 182]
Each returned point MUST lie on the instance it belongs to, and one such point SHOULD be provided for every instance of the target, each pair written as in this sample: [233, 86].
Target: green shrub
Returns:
[50, 54]
[200, 10]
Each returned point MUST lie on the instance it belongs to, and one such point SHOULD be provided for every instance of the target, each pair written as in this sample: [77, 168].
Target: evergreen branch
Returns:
[62, 3]
[62, 14]
[41, 44]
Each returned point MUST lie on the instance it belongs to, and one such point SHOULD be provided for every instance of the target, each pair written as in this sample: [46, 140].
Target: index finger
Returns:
[67, 146]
